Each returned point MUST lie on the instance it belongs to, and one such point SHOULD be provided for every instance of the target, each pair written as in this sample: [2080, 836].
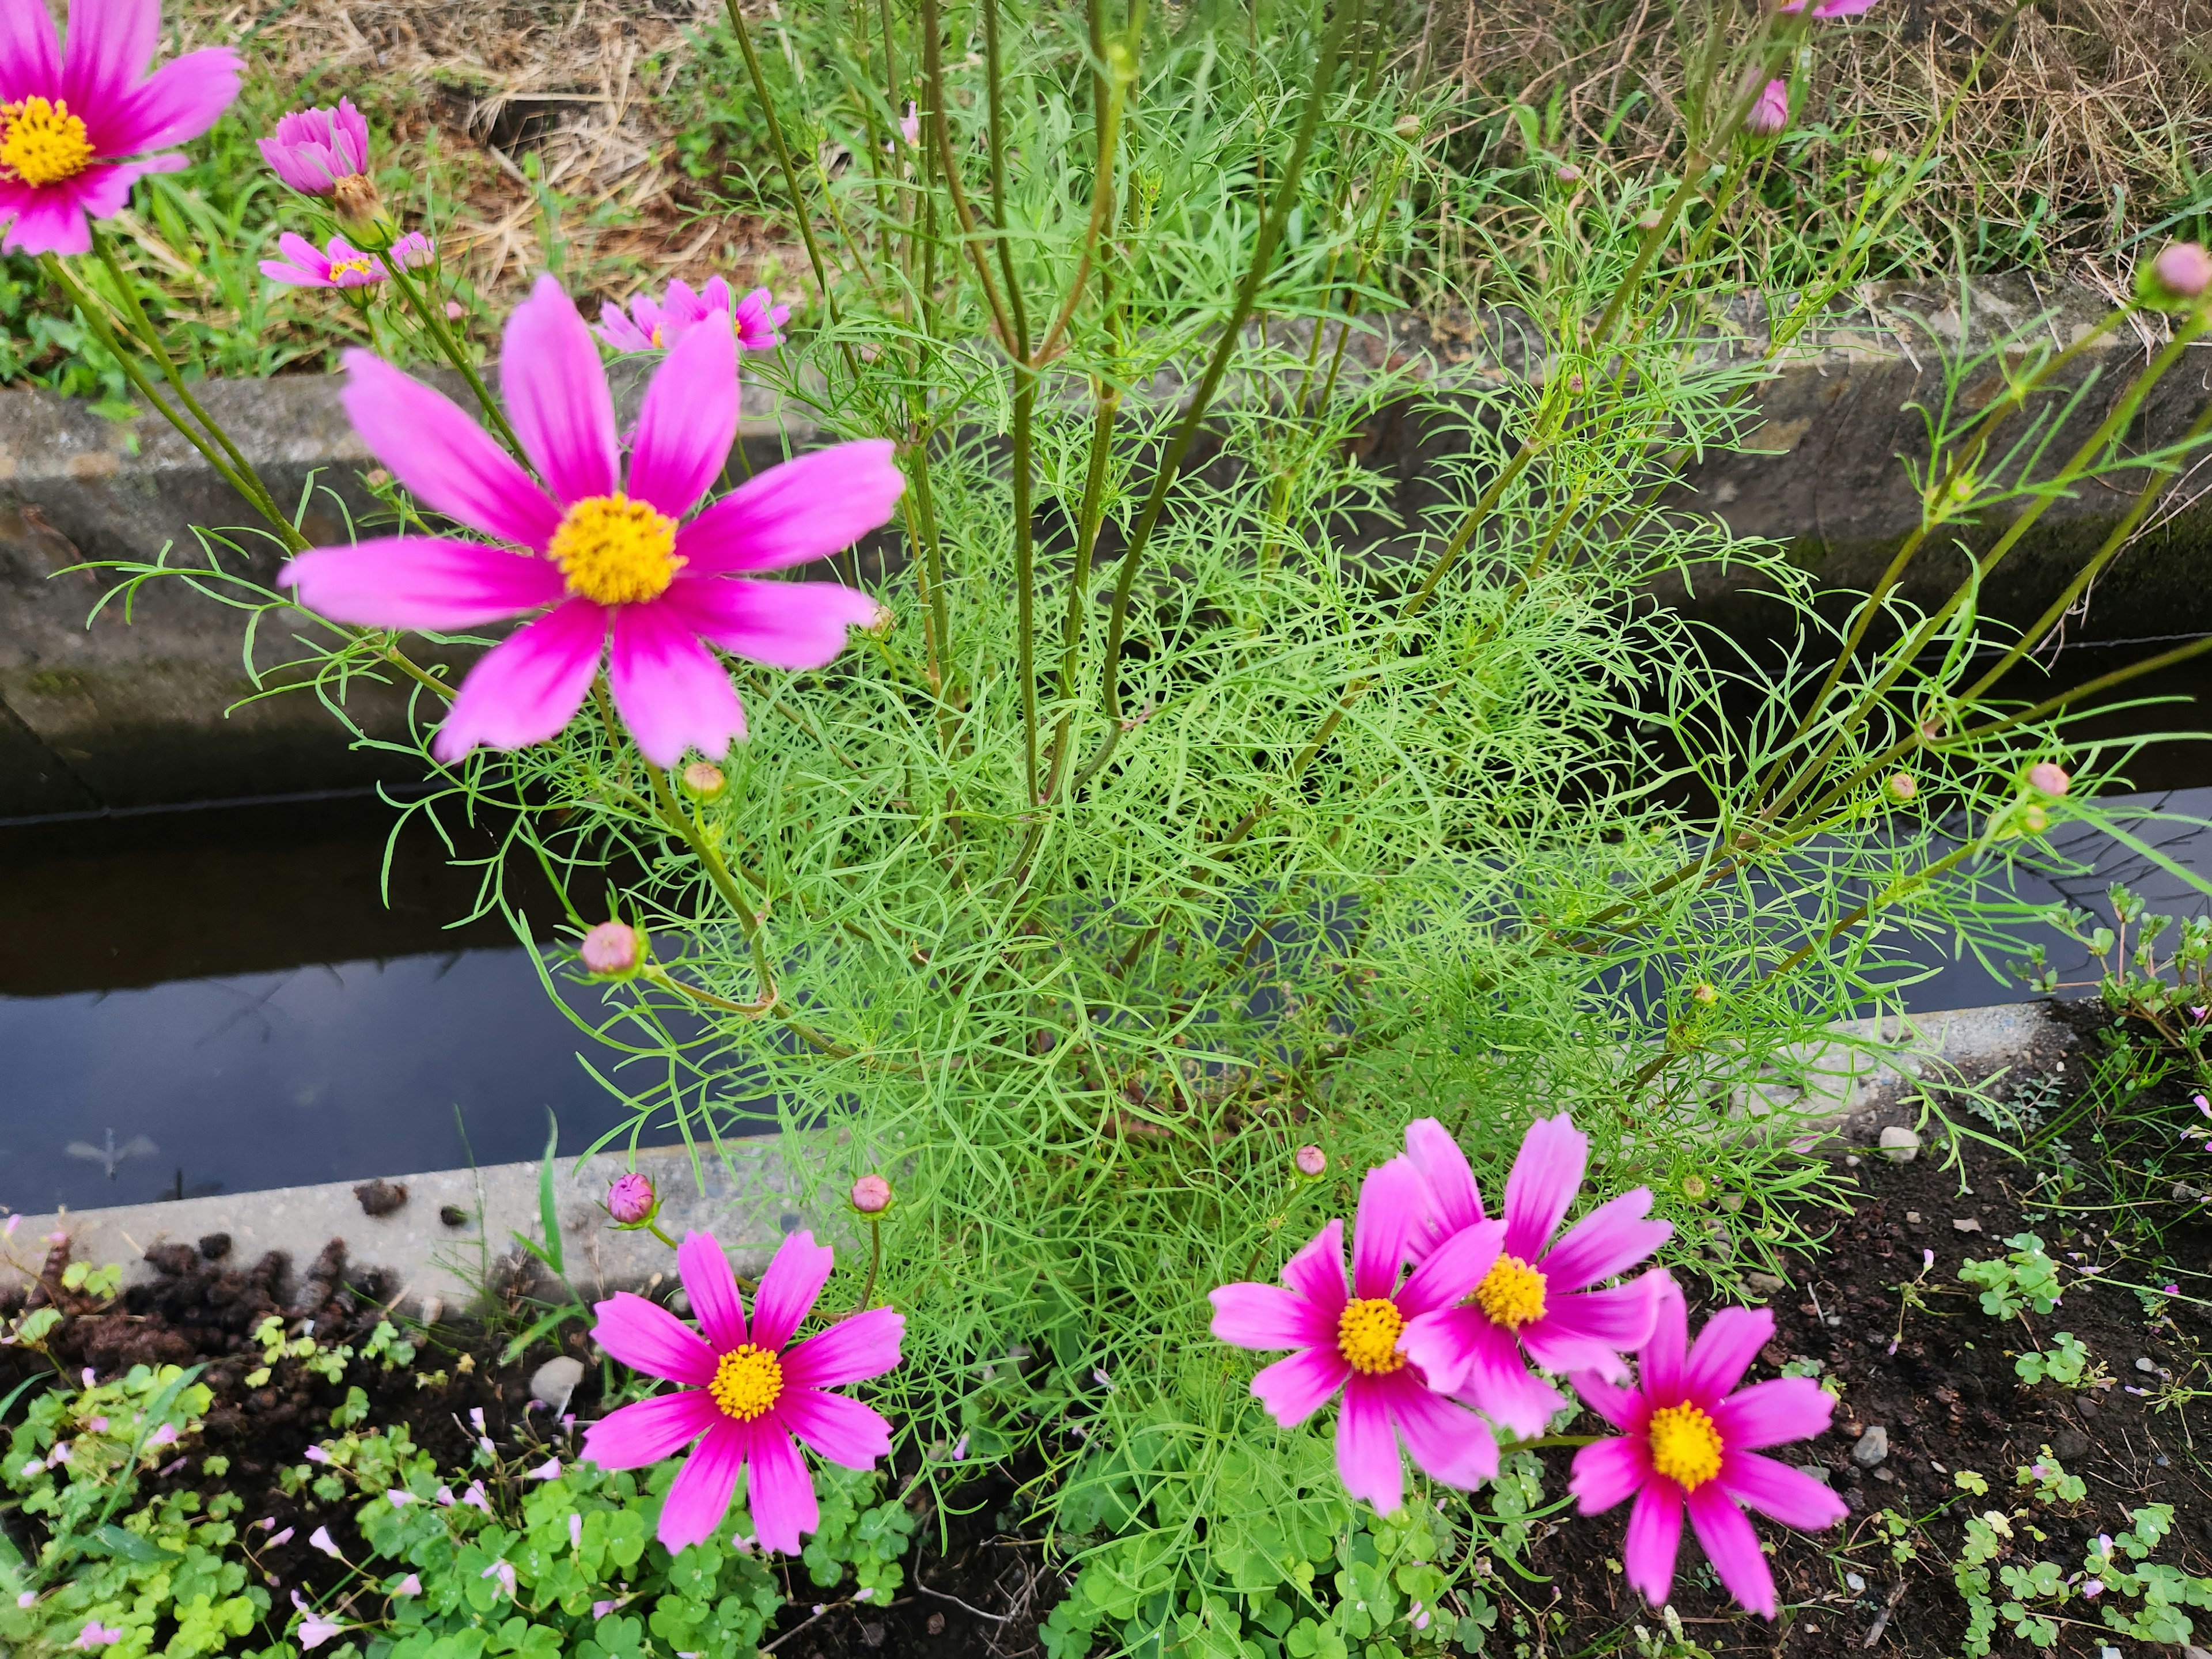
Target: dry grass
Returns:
[2090, 123]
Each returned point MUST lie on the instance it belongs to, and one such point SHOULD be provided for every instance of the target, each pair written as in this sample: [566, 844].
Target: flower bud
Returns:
[1770, 113]
[872, 1194]
[613, 948]
[2177, 278]
[703, 781]
[1878, 158]
[2034, 820]
[2048, 778]
[1649, 220]
[455, 311]
[1568, 173]
[1407, 126]
[630, 1200]
[1901, 788]
[1696, 1188]
[1705, 994]
[1312, 1162]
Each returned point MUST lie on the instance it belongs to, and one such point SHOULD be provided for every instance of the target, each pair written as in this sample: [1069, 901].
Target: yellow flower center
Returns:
[747, 1381]
[1367, 1334]
[1686, 1447]
[365, 265]
[656, 334]
[616, 551]
[1511, 1293]
[41, 142]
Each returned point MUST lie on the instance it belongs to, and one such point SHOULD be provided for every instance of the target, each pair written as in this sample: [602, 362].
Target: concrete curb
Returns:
[748, 1198]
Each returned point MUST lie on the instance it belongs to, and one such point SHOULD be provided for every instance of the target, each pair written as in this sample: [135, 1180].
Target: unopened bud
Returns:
[2179, 276]
[1878, 158]
[2034, 820]
[612, 947]
[1406, 126]
[1568, 173]
[1695, 1188]
[2049, 778]
[703, 781]
[872, 1194]
[1649, 220]
[455, 311]
[1901, 787]
[1312, 1162]
[1706, 993]
[630, 1199]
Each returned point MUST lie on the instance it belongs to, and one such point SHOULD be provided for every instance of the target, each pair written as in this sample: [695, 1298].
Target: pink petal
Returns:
[1316, 1272]
[788, 1289]
[711, 1285]
[646, 1337]
[1440, 1343]
[1293, 1389]
[1546, 1175]
[618, 331]
[855, 1348]
[30, 50]
[1609, 1241]
[1452, 1270]
[1625, 1408]
[1449, 1443]
[672, 694]
[1655, 1537]
[1589, 1330]
[1389, 1200]
[1732, 1546]
[1774, 1489]
[178, 103]
[525, 689]
[701, 1496]
[650, 1430]
[1366, 1448]
[1452, 1200]
[784, 624]
[1842, 7]
[781, 1493]
[45, 219]
[1725, 1350]
[445, 458]
[1659, 1365]
[1774, 1414]
[108, 45]
[556, 395]
[804, 509]
[687, 423]
[1605, 1473]
[1262, 1317]
[420, 581]
[842, 1430]
[1498, 1383]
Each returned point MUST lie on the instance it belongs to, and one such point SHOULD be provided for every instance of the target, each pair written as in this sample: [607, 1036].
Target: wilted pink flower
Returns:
[283, 1537]
[872, 1194]
[1770, 113]
[97, 1635]
[601, 1609]
[2182, 271]
[313, 148]
[1688, 1441]
[501, 1570]
[341, 264]
[1311, 1162]
[1350, 1340]
[321, 1538]
[1539, 1297]
[2092, 1589]
[443, 1497]
[629, 1197]
[317, 1454]
[164, 1436]
[2048, 778]
[910, 125]
[411, 1585]
[653, 325]
[69, 113]
[398, 1496]
[604, 560]
[747, 1392]
[611, 947]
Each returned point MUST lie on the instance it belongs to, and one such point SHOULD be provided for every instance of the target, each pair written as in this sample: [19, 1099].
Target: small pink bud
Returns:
[317, 1454]
[611, 947]
[280, 1538]
[703, 781]
[1312, 1162]
[2048, 777]
[399, 1496]
[601, 1609]
[1901, 787]
[411, 1585]
[164, 1436]
[872, 1194]
[443, 1497]
[575, 1530]
[2182, 272]
[1568, 173]
[1649, 220]
[27, 1599]
[630, 1199]
[455, 311]
[1771, 113]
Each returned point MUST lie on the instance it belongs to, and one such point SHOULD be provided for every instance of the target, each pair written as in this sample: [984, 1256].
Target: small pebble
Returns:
[1885, 1474]
[555, 1381]
[935, 1625]
[380, 1197]
[2086, 1406]
[2147, 1365]
[1965, 1223]
[1899, 1146]
[1764, 1283]
[1851, 1161]
[1856, 1583]
[1873, 1446]
[1912, 1218]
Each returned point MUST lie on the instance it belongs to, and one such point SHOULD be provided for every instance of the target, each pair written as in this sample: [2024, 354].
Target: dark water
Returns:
[154, 997]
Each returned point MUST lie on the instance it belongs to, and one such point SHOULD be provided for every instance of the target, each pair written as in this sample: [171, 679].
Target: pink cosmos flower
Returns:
[630, 1199]
[653, 325]
[1687, 1441]
[747, 1392]
[1350, 1340]
[97, 1635]
[313, 149]
[1770, 113]
[1538, 1297]
[910, 126]
[2183, 270]
[604, 561]
[68, 113]
[341, 264]
[1830, 9]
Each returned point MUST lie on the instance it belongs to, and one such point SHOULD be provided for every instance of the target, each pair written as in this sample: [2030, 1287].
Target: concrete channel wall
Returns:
[139, 710]
[441, 1245]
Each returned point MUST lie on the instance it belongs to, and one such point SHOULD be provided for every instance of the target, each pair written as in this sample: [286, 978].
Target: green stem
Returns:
[449, 345]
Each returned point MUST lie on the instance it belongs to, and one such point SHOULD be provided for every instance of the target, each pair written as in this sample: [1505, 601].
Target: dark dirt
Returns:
[1949, 1400]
